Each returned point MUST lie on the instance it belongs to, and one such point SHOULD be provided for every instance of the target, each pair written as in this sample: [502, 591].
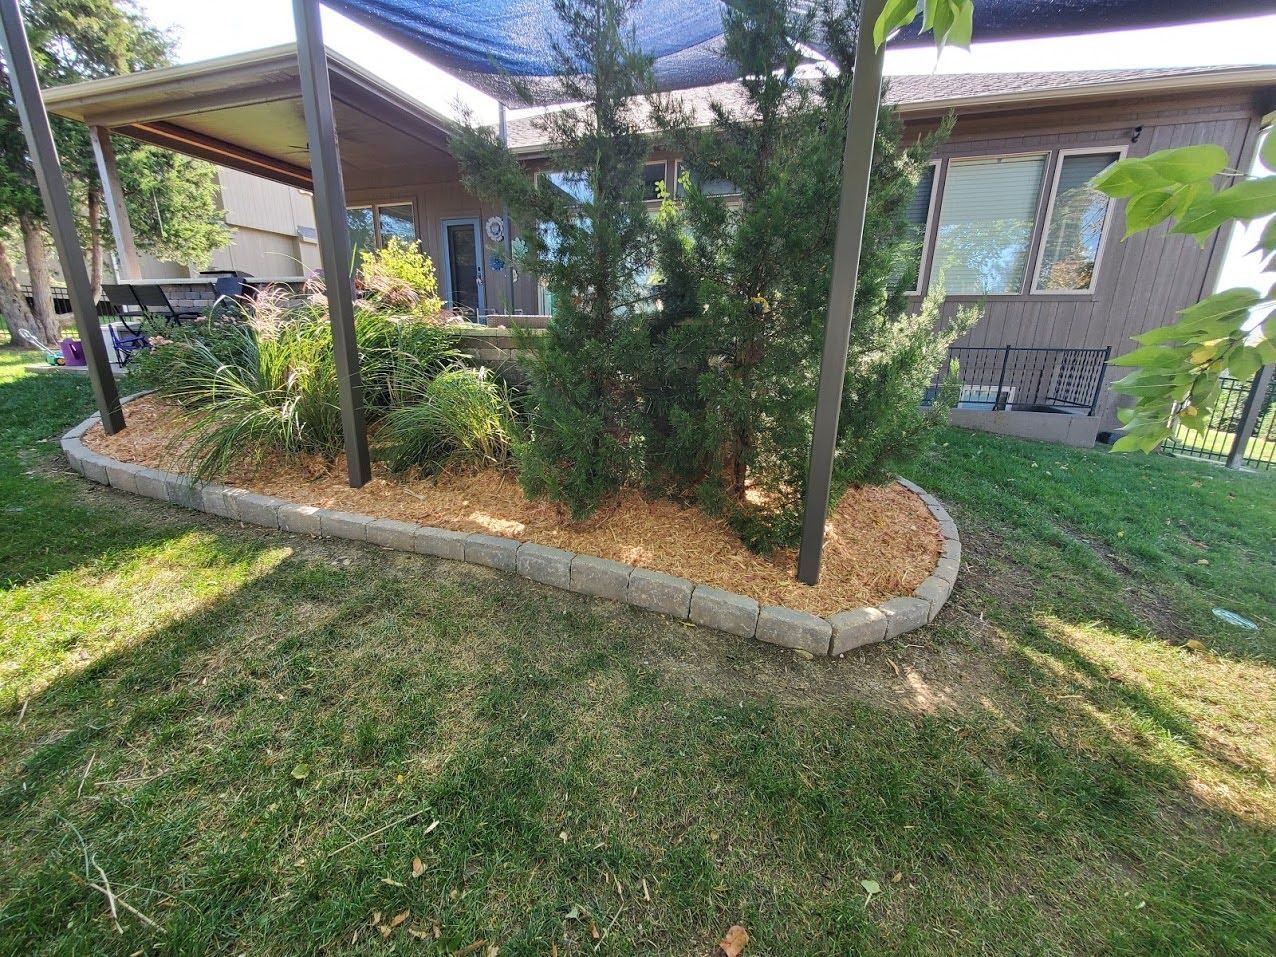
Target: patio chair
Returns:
[127, 341]
[155, 301]
[124, 302]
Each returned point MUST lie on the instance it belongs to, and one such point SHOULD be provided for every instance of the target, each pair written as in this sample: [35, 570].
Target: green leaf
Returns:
[1251, 199]
[1143, 439]
[1202, 217]
[963, 27]
[1245, 363]
[1129, 178]
[1267, 241]
[1189, 164]
[1152, 357]
[1267, 155]
[1148, 209]
[896, 15]
[1221, 304]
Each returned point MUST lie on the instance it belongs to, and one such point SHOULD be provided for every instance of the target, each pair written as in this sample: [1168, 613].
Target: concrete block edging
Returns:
[678, 598]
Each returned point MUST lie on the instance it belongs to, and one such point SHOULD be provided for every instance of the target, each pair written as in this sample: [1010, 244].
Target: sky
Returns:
[209, 29]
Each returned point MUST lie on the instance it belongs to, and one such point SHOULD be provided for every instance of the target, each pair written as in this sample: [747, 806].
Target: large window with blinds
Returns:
[986, 223]
[1075, 224]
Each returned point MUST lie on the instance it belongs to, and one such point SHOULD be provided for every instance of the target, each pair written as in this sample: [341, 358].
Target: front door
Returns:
[463, 265]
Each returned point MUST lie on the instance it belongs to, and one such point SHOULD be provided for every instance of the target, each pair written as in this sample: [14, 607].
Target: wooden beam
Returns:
[182, 140]
[116, 211]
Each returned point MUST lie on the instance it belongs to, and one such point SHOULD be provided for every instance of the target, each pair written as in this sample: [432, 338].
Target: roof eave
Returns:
[1249, 77]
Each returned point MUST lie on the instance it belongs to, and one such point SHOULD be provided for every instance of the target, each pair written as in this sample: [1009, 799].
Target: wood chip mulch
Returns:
[882, 541]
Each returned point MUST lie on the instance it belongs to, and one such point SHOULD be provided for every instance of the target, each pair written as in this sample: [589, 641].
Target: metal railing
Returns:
[62, 301]
[1027, 379]
[1217, 442]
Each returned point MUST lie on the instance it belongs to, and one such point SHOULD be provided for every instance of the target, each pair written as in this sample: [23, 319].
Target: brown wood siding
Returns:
[1142, 281]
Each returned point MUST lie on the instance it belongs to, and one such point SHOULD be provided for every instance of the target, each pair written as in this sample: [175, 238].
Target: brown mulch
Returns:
[882, 541]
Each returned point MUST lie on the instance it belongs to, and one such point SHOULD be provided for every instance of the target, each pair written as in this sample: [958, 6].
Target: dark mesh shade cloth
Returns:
[488, 42]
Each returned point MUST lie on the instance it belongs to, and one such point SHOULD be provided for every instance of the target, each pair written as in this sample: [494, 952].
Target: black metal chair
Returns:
[155, 301]
[124, 302]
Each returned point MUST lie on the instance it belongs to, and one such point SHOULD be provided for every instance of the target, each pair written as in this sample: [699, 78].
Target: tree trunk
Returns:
[95, 243]
[46, 320]
[17, 315]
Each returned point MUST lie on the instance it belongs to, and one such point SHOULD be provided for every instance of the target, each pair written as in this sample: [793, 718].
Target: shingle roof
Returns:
[906, 91]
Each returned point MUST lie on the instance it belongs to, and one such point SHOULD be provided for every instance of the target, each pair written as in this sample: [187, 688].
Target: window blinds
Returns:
[985, 225]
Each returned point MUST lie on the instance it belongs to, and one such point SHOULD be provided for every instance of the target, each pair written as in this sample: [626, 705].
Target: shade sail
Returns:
[490, 42]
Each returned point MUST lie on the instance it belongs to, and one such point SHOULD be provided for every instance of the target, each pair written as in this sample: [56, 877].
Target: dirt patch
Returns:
[881, 541]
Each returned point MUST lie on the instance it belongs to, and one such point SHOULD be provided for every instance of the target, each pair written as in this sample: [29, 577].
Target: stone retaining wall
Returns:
[654, 591]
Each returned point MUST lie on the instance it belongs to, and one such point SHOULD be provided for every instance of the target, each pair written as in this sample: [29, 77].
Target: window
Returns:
[710, 187]
[653, 177]
[918, 216]
[575, 186]
[1075, 224]
[372, 226]
[986, 222]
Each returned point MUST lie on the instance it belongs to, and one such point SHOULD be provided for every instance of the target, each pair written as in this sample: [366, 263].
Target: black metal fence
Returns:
[1021, 379]
[1218, 439]
[62, 301]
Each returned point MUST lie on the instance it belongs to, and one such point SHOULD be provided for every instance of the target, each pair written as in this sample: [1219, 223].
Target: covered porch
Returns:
[245, 112]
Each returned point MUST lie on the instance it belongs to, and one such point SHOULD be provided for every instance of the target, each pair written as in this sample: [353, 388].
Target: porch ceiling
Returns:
[245, 112]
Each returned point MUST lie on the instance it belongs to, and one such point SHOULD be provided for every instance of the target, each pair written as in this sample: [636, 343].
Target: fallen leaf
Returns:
[398, 919]
[385, 931]
[418, 934]
[803, 654]
[872, 888]
[376, 918]
[391, 881]
[300, 772]
[1194, 645]
[417, 867]
[896, 877]
[733, 941]
[593, 931]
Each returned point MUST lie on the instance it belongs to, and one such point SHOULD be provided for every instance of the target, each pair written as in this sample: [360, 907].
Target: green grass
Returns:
[233, 725]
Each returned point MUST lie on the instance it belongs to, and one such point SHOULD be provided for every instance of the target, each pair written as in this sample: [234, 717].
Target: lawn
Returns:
[269, 744]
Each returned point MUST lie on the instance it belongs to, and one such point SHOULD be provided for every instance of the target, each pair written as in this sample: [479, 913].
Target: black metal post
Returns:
[1098, 386]
[57, 208]
[857, 162]
[1249, 418]
[334, 231]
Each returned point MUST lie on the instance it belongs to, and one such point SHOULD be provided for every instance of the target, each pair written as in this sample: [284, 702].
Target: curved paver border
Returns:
[599, 577]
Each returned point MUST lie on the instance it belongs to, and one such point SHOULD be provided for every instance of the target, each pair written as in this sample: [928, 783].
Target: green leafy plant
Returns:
[745, 284]
[588, 239]
[1178, 368]
[460, 417]
[268, 382]
[399, 277]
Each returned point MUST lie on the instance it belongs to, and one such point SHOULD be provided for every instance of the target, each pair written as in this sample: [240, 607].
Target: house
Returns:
[272, 231]
[1004, 217]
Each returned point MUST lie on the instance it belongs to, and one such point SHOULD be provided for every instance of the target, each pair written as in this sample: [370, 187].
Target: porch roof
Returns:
[245, 112]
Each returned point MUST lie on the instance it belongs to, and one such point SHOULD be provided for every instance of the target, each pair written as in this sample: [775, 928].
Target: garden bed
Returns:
[882, 541]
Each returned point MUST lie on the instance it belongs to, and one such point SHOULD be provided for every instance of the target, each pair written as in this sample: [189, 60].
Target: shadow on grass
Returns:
[245, 775]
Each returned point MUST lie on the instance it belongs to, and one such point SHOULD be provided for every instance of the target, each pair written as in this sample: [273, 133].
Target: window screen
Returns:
[916, 214]
[985, 225]
[1077, 215]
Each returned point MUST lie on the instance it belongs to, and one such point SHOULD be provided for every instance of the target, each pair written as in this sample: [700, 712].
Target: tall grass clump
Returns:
[458, 418]
[267, 382]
